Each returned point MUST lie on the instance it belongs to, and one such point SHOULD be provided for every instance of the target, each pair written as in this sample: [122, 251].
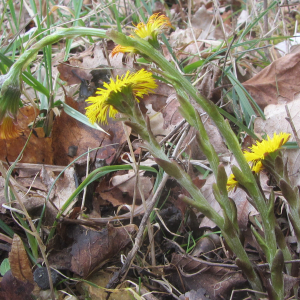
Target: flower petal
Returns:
[8, 129]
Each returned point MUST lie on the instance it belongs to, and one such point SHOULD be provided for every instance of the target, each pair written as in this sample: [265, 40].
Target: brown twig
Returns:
[121, 274]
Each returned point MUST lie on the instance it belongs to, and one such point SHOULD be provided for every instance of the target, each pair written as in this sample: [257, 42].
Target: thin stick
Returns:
[290, 120]
[121, 274]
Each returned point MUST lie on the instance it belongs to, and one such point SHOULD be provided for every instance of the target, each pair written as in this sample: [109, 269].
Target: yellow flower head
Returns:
[9, 129]
[257, 167]
[112, 97]
[231, 183]
[261, 149]
[155, 25]
[122, 49]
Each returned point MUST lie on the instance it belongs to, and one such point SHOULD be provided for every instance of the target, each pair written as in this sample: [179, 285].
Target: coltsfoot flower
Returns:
[149, 31]
[261, 149]
[155, 25]
[258, 152]
[232, 183]
[119, 95]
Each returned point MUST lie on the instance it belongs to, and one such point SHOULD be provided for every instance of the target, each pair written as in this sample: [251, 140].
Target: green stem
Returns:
[173, 169]
[29, 55]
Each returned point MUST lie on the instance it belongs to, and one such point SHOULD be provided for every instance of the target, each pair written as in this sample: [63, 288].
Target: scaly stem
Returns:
[147, 50]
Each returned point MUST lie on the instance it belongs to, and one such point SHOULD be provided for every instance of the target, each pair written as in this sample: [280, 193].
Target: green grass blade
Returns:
[238, 123]
[244, 103]
[81, 117]
[147, 7]
[246, 97]
[78, 5]
[252, 24]
[191, 67]
[96, 174]
[116, 14]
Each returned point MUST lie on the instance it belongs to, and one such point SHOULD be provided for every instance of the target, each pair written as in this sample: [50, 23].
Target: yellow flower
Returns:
[128, 88]
[9, 129]
[122, 49]
[261, 149]
[257, 167]
[155, 25]
[231, 183]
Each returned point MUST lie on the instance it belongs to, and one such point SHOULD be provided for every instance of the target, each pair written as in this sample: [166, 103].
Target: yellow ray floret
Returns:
[261, 149]
[231, 183]
[156, 24]
[138, 84]
[9, 129]
[122, 49]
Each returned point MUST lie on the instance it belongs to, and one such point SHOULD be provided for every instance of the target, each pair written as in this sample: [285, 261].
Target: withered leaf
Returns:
[12, 288]
[19, 262]
[38, 149]
[83, 250]
[218, 282]
[69, 132]
[72, 73]
[276, 80]
[93, 249]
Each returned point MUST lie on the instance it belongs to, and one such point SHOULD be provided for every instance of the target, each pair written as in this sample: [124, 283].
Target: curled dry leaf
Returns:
[87, 249]
[13, 289]
[19, 262]
[218, 282]
[93, 249]
[69, 132]
[126, 183]
[276, 83]
[38, 149]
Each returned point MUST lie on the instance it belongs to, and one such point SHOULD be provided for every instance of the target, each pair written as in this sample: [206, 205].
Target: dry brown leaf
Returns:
[19, 262]
[93, 249]
[276, 83]
[68, 132]
[89, 249]
[13, 289]
[203, 19]
[206, 245]
[72, 74]
[126, 183]
[218, 282]
[38, 149]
